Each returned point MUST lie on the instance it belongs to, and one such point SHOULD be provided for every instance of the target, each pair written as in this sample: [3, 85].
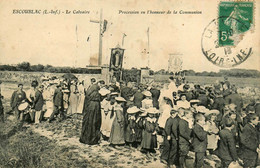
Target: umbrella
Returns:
[69, 76]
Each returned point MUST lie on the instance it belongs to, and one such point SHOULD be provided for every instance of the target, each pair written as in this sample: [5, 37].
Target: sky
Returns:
[62, 40]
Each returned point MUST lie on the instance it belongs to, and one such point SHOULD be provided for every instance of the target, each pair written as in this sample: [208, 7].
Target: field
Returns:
[27, 77]
[202, 80]
[56, 144]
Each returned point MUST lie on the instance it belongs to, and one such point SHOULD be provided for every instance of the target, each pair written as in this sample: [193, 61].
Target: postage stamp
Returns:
[239, 19]
[225, 39]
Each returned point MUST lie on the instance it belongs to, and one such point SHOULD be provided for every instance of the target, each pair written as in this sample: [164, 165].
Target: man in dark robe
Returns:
[155, 96]
[91, 124]
[127, 91]
[138, 97]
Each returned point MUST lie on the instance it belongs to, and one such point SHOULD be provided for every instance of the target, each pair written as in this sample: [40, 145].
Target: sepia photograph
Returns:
[129, 84]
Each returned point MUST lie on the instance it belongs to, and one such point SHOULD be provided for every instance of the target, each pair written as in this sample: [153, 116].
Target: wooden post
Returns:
[100, 40]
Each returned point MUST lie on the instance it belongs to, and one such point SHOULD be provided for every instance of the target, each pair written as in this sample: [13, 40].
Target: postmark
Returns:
[225, 39]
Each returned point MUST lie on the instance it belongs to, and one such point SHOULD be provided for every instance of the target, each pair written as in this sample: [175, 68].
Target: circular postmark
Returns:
[224, 45]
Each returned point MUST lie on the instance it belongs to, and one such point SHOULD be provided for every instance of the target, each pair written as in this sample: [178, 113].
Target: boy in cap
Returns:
[250, 142]
[170, 148]
[200, 141]
[184, 137]
[226, 150]
[58, 104]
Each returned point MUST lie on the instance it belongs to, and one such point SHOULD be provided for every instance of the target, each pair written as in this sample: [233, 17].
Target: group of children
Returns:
[138, 127]
[195, 128]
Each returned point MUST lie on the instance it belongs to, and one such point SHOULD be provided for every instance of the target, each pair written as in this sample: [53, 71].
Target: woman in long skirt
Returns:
[117, 135]
[92, 117]
[48, 96]
[81, 97]
[73, 99]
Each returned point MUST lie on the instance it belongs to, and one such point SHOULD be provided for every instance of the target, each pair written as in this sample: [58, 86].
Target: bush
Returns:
[24, 66]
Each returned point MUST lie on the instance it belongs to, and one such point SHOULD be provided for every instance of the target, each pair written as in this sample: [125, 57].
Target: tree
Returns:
[24, 66]
[37, 68]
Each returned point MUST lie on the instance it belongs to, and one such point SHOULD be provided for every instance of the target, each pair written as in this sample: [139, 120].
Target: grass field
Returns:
[27, 77]
[240, 82]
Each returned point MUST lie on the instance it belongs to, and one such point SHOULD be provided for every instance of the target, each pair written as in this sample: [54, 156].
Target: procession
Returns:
[129, 84]
[167, 119]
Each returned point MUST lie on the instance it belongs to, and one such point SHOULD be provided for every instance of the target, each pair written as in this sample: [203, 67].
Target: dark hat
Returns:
[197, 86]
[173, 111]
[93, 80]
[186, 86]
[101, 82]
[34, 83]
[20, 84]
[41, 86]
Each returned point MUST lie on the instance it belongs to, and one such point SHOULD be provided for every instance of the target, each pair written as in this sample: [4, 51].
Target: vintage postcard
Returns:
[129, 83]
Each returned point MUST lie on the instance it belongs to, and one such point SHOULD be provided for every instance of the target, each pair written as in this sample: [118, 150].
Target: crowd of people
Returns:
[175, 117]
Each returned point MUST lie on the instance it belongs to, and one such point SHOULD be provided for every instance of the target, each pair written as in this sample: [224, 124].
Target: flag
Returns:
[104, 26]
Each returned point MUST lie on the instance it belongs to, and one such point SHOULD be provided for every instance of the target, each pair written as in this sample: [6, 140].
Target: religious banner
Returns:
[116, 59]
[175, 63]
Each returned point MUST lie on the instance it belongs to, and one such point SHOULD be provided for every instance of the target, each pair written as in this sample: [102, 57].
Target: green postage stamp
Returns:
[237, 18]
[227, 40]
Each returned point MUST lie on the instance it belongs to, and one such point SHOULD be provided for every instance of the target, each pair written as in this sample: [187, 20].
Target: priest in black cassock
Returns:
[91, 124]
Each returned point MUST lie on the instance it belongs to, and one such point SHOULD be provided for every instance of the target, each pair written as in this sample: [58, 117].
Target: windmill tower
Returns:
[175, 62]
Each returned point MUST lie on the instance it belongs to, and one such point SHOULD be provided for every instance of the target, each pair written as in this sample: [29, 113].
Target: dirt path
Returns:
[67, 132]
[102, 153]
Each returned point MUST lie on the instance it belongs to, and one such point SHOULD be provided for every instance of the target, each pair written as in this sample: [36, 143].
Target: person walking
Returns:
[58, 104]
[38, 103]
